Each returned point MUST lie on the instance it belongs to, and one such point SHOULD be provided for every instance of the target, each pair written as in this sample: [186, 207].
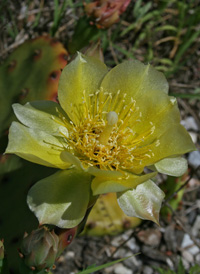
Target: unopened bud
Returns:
[40, 249]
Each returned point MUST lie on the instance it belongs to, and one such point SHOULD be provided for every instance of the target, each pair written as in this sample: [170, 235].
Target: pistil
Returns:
[112, 119]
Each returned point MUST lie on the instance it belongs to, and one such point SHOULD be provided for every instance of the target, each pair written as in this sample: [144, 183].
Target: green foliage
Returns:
[58, 14]
[181, 270]
[94, 268]
[195, 269]
[186, 95]
[170, 43]
[84, 33]
[170, 186]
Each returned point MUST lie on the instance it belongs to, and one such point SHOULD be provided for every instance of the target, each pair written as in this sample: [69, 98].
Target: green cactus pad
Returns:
[15, 216]
[30, 73]
[107, 217]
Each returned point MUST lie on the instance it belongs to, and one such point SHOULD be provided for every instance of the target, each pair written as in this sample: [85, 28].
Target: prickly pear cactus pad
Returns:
[30, 73]
[15, 216]
[107, 218]
[109, 127]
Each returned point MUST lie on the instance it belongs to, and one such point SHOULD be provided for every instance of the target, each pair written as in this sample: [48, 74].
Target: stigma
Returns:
[112, 119]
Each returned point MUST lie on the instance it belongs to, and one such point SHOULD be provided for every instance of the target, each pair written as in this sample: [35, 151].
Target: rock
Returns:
[70, 254]
[196, 226]
[147, 270]
[121, 253]
[188, 244]
[132, 245]
[170, 238]
[150, 236]
[133, 263]
[170, 263]
[197, 258]
[190, 123]
[154, 254]
[117, 269]
[117, 241]
[185, 263]
[120, 268]
[194, 159]
[188, 256]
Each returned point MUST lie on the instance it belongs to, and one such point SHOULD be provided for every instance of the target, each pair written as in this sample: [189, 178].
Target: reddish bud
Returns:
[106, 12]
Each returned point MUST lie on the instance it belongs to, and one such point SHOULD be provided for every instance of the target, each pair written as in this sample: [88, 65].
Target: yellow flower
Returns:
[109, 126]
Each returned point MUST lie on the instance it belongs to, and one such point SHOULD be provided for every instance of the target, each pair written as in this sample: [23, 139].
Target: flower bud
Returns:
[106, 12]
[40, 248]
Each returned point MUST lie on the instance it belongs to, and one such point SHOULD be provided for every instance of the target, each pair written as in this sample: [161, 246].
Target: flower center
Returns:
[103, 137]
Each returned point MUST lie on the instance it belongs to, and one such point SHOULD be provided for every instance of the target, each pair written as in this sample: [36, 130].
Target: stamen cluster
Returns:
[89, 140]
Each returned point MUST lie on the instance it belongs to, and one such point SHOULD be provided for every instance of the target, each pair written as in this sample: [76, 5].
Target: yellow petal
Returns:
[175, 141]
[35, 146]
[101, 185]
[104, 173]
[143, 202]
[61, 199]
[70, 158]
[84, 74]
[143, 90]
[139, 83]
[46, 116]
[176, 166]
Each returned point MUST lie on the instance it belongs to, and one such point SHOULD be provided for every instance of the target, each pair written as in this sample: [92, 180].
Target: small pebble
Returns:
[147, 270]
[117, 269]
[185, 263]
[170, 263]
[132, 262]
[194, 159]
[188, 244]
[197, 257]
[70, 254]
[188, 256]
[196, 226]
[132, 245]
[190, 123]
[150, 236]
[120, 268]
